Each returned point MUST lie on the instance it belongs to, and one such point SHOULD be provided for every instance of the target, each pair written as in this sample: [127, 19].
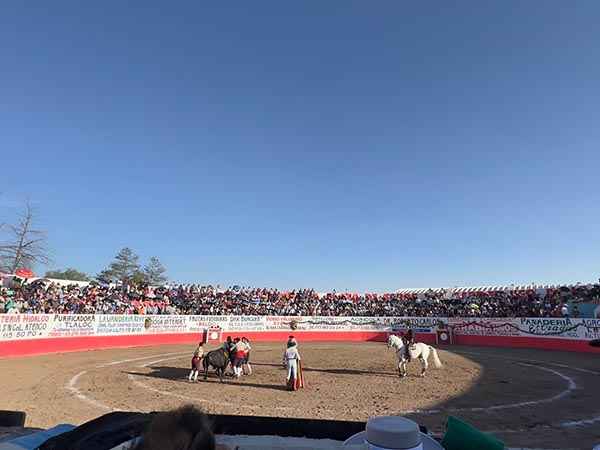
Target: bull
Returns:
[218, 359]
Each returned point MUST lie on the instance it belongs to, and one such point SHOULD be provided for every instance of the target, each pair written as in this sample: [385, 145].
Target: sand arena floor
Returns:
[525, 397]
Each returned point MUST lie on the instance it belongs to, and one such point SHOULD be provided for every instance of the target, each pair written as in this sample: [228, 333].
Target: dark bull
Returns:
[218, 359]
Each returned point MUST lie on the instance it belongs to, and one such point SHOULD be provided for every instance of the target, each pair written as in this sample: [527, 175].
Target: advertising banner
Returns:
[197, 324]
[590, 328]
[37, 326]
[72, 325]
[24, 326]
[166, 324]
[246, 323]
[546, 327]
[550, 327]
[483, 326]
[120, 324]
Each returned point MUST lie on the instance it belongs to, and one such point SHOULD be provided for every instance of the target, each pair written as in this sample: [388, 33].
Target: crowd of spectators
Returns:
[43, 296]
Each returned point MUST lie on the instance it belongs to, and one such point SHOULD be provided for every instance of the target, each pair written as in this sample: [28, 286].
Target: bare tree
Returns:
[26, 245]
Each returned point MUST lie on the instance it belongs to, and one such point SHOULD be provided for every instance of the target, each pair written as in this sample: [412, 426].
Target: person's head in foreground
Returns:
[184, 428]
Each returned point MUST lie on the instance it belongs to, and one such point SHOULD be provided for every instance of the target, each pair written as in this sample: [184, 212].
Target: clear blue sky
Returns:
[340, 145]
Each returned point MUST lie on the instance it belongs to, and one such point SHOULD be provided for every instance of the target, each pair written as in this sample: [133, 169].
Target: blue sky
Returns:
[352, 145]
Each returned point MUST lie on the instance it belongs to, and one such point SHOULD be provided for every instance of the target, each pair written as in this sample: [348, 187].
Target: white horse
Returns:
[418, 350]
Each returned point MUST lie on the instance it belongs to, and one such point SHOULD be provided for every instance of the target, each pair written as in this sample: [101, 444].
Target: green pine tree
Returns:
[154, 272]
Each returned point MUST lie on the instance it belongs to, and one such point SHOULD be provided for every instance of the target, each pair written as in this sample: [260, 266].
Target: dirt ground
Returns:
[532, 398]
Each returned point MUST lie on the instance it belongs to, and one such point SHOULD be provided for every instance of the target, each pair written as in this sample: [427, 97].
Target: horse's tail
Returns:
[436, 359]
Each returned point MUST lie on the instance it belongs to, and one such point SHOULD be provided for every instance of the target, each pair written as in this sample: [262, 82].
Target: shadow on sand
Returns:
[337, 371]
[181, 375]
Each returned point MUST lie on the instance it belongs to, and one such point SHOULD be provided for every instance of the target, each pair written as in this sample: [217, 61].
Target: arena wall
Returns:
[28, 334]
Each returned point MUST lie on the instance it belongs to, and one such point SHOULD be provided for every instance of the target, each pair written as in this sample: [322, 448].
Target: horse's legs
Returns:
[423, 366]
[402, 368]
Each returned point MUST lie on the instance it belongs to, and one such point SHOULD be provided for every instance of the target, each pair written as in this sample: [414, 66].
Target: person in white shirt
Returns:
[291, 356]
[246, 361]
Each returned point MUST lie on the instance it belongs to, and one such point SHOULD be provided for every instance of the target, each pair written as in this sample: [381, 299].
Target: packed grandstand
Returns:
[54, 296]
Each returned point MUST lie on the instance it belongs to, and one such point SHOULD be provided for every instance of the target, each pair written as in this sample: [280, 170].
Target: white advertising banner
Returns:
[544, 327]
[39, 326]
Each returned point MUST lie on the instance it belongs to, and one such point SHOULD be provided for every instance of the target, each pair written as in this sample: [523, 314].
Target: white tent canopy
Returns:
[468, 289]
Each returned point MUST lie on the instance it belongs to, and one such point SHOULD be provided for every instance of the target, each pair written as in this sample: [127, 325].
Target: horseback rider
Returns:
[409, 340]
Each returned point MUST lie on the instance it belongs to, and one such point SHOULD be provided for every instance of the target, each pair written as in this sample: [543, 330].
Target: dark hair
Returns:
[184, 428]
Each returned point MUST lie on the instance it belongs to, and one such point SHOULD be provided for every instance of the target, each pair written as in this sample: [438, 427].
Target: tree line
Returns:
[24, 245]
[125, 268]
